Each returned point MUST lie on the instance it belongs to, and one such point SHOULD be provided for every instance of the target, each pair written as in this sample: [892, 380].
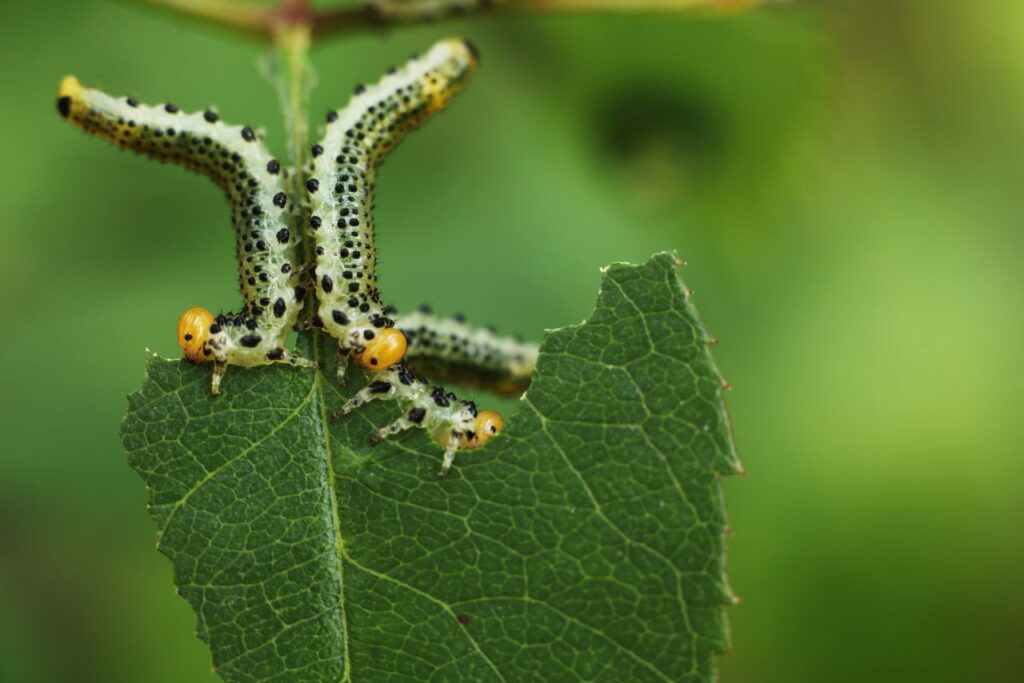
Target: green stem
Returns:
[352, 18]
[252, 20]
[294, 83]
[266, 21]
[292, 42]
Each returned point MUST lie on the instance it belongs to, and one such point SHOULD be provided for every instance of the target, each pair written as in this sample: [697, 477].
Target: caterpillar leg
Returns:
[449, 454]
[219, 370]
[343, 358]
[371, 392]
[412, 419]
[289, 358]
[220, 367]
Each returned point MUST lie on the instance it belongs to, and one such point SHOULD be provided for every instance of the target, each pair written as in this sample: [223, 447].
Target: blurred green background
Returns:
[843, 178]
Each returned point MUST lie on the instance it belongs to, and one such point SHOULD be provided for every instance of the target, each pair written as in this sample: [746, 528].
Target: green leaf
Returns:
[586, 543]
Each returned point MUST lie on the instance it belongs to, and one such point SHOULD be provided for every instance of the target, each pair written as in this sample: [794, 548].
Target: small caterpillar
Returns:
[451, 350]
[340, 187]
[453, 424]
[239, 164]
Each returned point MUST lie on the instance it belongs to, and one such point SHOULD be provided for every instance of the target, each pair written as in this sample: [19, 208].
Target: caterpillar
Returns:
[451, 350]
[447, 349]
[453, 424]
[252, 179]
[340, 186]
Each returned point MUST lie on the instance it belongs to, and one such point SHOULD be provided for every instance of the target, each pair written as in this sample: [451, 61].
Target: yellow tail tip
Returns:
[70, 90]
[462, 49]
[69, 87]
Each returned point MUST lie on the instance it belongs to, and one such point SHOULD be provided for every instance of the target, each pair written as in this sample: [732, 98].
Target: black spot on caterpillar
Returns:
[242, 167]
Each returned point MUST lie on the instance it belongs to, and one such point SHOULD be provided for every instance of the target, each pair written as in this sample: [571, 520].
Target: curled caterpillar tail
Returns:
[453, 424]
[451, 350]
[251, 178]
[340, 185]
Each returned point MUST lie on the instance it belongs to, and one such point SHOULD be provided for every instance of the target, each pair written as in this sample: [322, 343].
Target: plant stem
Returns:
[350, 18]
[292, 38]
[265, 21]
[628, 5]
[293, 41]
[252, 20]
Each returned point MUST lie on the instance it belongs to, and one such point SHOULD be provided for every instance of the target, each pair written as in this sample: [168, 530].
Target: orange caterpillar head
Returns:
[488, 425]
[193, 333]
[385, 349]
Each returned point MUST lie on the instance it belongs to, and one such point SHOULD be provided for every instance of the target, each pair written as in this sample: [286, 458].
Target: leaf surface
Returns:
[584, 544]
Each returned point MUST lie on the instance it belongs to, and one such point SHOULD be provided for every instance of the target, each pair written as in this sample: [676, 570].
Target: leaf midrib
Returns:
[339, 542]
[341, 556]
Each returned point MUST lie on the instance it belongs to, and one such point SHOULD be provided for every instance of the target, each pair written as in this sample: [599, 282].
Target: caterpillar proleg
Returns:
[238, 162]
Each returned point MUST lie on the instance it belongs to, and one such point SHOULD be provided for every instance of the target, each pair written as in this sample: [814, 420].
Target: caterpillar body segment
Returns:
[340, 187]
[453, 424]
[252, 179]
[451, 350]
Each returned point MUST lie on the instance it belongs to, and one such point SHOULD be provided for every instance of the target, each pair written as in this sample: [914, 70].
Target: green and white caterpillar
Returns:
[451, 350]
[238, 162]
[453, 424]
[448, 349]
[340, 185]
